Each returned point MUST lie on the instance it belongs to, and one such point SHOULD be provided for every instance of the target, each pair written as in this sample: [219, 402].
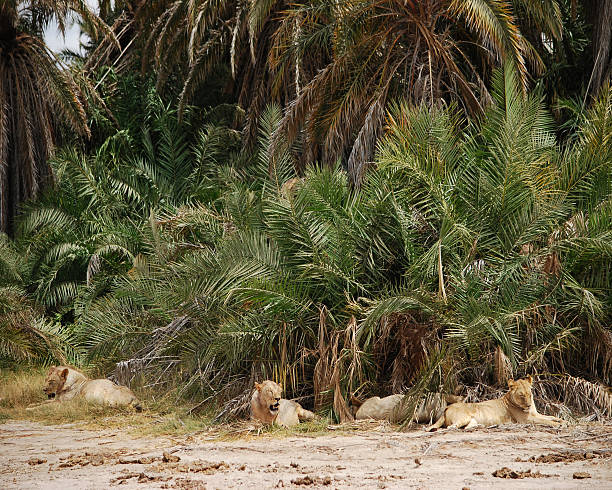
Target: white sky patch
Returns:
[72, 39]
[56, 42]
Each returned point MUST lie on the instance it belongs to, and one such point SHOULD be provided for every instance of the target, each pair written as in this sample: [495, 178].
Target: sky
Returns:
[57, 43]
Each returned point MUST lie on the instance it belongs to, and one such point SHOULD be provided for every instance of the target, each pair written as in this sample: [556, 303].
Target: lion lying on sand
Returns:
[394, 408]
[64, 383]
[515, 406]
[268, 407]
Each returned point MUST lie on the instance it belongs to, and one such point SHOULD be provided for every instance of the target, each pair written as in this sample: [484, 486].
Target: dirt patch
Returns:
[581, 475]
[137, 460]
[566, 457]
[94, 459]
[309, 480]
[77, 458]
[140, 477]
[169, 458]
[186, 484]
[197, 466]
[506, 472]
[34, 461]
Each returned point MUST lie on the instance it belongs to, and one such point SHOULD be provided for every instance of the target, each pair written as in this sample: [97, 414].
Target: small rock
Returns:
[418, 461]
[581, 475]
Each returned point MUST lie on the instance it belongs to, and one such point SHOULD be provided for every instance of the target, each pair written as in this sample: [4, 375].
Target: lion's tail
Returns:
[136, 405]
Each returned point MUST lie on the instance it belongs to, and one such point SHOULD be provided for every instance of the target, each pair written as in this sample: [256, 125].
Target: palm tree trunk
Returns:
[599, 14]
[7, 28]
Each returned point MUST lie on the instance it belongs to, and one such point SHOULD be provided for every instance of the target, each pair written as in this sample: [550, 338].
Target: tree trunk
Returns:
[599, 14]
[7, 27]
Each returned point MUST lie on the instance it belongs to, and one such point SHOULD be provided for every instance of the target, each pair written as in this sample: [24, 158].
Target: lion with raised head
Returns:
[516, 406]
[268, 407]
[64, 383]
[394, 408]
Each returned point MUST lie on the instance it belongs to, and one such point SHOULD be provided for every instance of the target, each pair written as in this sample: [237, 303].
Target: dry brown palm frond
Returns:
[354, 371]
[599, 352]
[239, 406]
[322, 375]
[584, 396]
[404, 344]
[340, 406]
[503, 367]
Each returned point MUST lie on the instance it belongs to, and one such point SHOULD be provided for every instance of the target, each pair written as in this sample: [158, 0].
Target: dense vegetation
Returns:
[342, 196]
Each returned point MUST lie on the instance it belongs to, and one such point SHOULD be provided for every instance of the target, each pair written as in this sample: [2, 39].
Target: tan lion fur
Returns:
[268, 407]
[394, 407]
[65, 383]
[516, 406]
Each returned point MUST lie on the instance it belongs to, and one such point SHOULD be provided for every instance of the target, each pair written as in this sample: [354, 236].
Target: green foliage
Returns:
[179, 254]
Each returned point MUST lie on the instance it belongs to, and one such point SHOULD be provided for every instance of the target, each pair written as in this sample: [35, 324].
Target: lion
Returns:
[268, 407]
[394, 408]
[515, 406]
[65, 383]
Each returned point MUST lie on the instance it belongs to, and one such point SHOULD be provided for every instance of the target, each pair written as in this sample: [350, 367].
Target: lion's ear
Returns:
[257, 386]
[64, 373]
[530, 379]
[511, 383]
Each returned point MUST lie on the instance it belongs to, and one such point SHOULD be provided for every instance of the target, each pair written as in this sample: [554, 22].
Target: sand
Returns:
[34, 456]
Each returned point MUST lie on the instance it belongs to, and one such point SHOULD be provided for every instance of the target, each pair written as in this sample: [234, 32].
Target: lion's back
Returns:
[490, 412]
[379, 408]
[108, 393]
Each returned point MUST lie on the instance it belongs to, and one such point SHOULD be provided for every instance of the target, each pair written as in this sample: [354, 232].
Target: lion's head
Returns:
[54, 382]
[520, 394]
[269, 395]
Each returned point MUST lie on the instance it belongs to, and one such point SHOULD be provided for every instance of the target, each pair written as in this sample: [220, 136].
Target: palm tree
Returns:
[191, 39]
[424, 51]
[599, 14]
[36, 97]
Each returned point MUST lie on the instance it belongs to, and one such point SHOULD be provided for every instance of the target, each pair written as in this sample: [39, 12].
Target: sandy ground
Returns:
[39, 457]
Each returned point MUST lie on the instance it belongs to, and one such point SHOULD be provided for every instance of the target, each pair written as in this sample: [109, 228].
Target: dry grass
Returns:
[162, 415]
[19, 389]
